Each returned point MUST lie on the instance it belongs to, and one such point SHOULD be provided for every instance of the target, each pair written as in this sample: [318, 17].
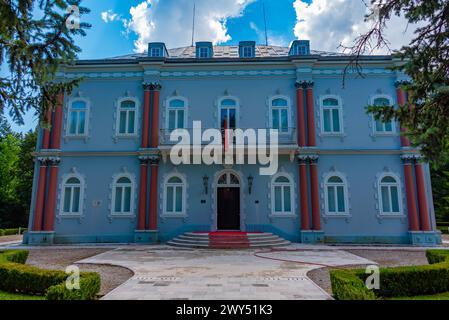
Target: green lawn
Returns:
[15, 296]
[440, 296]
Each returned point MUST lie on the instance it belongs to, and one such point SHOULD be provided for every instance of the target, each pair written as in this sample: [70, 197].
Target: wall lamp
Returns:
[205, 183]
[250, 183]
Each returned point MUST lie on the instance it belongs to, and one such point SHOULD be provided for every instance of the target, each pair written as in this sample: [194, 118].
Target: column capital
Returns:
[146, 86]
[400, 83]
[312, 158]
[304, 84]
[49, 161]
[409, 158]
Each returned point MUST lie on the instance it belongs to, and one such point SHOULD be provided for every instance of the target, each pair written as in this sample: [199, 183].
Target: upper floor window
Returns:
[72, 196]
[247, 52]
[228, 113]
[78, 115]
[282, 195]
[176, 113]
[127, 118]
[381, 127]
[331, 114]
[174, 196]
[204, 52]
[280, 114]
[335, 189]
[389, 197]
[122, 195]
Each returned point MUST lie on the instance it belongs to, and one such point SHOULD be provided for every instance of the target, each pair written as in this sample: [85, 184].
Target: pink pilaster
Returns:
[422, 198]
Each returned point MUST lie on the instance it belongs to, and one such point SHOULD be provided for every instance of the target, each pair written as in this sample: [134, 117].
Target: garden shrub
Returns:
[346, 285]
[17, 277]
[11, 232]
[397, 281]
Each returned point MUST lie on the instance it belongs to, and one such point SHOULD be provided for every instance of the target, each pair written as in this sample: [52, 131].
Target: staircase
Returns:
[227, 240]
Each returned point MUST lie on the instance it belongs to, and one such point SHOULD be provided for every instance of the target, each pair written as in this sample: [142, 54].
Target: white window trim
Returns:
[159, 52]
[168, 108]
[136, 118]
[237, 110]
[289, 113]
[86, 119]
[346, 213]
[251, 49]
[373, 120]
[379, 195]
[340, 115]
[273, 184]
[183, 213]
[132, 197]
[207, 52]
[81, 204]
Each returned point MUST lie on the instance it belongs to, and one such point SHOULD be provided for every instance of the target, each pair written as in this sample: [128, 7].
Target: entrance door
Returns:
[228, 208]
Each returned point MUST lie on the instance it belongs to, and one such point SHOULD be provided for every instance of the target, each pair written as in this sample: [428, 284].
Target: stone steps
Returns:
[217, 240]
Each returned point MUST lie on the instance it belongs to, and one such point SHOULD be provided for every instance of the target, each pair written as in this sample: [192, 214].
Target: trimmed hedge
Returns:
[394, 282]
[11, 232]
[16, 277]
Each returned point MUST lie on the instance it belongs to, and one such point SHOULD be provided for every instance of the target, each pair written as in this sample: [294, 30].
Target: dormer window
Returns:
[204, 50]
[247, 52]
[247, 49]
[155, 52]
[300, 48]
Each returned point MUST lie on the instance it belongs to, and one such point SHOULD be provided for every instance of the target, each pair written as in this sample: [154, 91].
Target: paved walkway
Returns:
[165, 273]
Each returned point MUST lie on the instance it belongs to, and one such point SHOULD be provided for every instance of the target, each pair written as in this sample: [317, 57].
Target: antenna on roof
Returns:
[193, 23]
[265, 22]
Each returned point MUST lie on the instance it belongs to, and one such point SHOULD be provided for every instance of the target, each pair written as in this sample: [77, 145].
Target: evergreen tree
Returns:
[36, 39]
[425, 61]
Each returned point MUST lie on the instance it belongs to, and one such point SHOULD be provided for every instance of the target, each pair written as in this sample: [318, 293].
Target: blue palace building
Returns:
[104, 174]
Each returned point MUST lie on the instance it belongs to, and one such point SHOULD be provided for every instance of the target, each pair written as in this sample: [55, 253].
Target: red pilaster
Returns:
[303, 194]
[316, 223]
[300, 115]
[49, 219]
[405, 142]
[146, 116]
[143, 195]
[155, 118]
[310, 117]
[152, 223]
[40, 198]
[422, 198]
[56, 129]
[411, 197]
[46, 131]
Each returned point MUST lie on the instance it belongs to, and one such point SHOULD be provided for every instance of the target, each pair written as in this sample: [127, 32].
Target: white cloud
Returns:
[170, 21]
[110, 16]
[329, 23]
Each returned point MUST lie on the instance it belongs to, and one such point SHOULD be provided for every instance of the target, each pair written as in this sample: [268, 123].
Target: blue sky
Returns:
[124, 26]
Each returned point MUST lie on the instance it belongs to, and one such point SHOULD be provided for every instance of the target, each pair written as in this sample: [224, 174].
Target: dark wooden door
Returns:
[228, 209]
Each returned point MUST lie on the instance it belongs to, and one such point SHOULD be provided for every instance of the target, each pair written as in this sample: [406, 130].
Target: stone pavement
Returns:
[166, 273]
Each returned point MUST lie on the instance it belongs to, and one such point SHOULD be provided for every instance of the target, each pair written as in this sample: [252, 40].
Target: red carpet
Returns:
[228, 240]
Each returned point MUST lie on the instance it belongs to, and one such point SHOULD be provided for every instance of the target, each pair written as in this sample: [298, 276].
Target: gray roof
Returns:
[227, 52]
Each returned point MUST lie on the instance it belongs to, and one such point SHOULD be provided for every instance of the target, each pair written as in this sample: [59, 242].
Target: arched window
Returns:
[175, 190]
[331, 115]
[389, 195]
[176, 114]
[280, 114]
[122, 196]
[381, 127]
[228, 179]
[281, 195]
[72, 196]
[126, 118]
[228, 109]
[77, 119]
[336, 195]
